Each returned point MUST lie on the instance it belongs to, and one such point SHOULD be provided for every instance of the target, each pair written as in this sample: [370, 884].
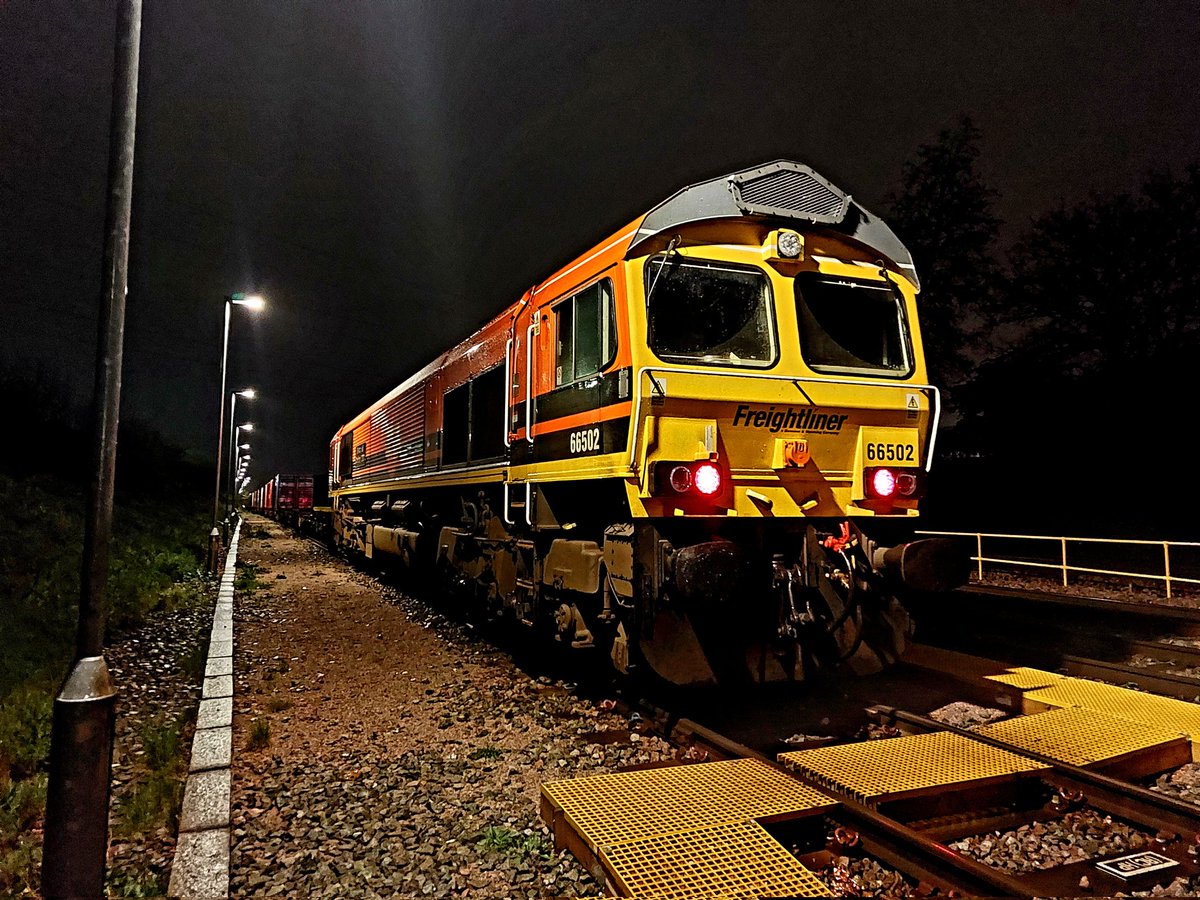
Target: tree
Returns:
[943, 213]
[1114, 283]
[1084, 411]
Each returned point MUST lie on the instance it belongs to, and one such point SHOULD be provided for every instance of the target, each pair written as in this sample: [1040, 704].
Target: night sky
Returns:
[391, 174]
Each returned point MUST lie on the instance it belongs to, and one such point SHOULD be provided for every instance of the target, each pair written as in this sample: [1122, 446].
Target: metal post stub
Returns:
[78, 794]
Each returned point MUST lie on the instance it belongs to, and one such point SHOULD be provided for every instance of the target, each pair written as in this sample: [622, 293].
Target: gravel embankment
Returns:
[865, 877]
[404, 756]
[157, 670]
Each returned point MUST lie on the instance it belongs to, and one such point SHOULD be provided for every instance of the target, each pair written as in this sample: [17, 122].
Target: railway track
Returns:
[1046, 629]
[908, 833]
[914, 810]
[1073, 764]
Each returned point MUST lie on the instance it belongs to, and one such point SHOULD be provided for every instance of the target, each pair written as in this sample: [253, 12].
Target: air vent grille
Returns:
[789, 192]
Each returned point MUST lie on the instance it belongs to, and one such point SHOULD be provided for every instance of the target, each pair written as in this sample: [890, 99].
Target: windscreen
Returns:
[851, 326]
[708, 312]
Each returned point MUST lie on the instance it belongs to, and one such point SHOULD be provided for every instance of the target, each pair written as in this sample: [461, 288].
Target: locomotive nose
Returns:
[933, 564]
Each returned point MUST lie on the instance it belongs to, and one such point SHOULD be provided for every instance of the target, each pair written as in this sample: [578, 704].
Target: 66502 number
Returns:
[586, 440]
[880, 452]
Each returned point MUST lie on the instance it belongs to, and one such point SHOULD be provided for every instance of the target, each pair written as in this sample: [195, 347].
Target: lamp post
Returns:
[249, 394]
[75, 843]
[237, 479]
[250, 301]
[237, 469]
[243, 451]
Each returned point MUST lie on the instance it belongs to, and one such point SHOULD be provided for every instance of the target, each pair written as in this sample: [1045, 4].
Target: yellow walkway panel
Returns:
[735, 860]
[895, 768]
[1026, 679]
[1083, 737]
[1132, 706]
[624, 806]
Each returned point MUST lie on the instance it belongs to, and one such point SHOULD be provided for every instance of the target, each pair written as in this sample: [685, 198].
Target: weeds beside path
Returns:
[159, 602]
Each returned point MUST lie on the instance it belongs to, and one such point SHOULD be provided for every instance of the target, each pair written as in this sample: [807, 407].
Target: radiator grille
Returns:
[394, 438]
[790, 192]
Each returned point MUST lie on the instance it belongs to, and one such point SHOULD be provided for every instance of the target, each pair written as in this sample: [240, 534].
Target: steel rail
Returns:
[898, 845]
[1187, 815]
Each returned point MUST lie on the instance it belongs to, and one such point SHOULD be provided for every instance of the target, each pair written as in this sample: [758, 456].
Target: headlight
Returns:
[790, 244]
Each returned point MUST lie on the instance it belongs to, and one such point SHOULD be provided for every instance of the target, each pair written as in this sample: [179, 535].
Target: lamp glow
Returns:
[250, 301]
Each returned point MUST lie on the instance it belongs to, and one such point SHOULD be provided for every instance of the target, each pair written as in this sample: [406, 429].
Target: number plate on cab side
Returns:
[898, 447]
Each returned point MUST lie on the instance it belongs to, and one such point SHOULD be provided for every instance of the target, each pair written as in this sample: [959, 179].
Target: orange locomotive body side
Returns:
[484, 350]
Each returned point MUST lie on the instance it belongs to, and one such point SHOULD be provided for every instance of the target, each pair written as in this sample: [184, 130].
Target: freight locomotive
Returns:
[663, 452]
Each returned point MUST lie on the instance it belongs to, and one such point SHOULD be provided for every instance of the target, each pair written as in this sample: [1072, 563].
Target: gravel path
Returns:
[404, 757]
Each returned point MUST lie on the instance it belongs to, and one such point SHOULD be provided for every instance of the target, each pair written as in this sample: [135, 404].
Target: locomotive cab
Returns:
[803, 386]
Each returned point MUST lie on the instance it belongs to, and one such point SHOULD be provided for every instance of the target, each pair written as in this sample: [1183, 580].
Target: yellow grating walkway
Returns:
[1078, 736]
[733, 860]
[893, 768]
[1025, 679]
[625, 806]
[1122, 703]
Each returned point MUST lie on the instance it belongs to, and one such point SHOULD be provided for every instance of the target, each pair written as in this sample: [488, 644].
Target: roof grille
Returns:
[781, 190]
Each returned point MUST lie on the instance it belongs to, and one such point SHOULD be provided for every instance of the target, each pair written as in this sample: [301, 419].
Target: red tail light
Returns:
[703, 478]
[882, 483]
[707, 478]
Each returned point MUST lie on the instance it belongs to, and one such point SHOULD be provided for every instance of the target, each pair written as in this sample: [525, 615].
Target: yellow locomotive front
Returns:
[780, 398]
[777, 387]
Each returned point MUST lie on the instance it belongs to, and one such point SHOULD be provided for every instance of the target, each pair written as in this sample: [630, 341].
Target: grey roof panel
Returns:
[778, 190]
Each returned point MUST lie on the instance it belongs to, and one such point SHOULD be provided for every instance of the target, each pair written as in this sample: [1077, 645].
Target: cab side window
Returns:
[586, 333]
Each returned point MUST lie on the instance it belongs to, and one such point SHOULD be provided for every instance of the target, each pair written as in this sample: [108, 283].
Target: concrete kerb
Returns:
[201, 865]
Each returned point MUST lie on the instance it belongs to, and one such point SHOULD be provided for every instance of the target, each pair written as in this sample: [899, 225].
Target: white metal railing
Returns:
[1065, 567]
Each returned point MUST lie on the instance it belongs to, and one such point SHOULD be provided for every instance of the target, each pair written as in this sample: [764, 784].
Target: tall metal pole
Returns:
[75, 844]
[214, 538]
[233, 435]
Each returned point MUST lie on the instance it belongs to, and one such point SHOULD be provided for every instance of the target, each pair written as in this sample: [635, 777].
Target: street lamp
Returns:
[75, 842]
[254, 302]
[243, 463]
[249, 394]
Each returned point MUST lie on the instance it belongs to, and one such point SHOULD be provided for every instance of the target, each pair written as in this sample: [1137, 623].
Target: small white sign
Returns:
[1126, 867]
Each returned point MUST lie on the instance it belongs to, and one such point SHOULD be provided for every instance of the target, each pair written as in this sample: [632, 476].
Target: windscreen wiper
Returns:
[671, 245]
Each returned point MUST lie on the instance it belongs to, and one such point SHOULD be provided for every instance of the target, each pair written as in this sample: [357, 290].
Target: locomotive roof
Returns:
[782, 189]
